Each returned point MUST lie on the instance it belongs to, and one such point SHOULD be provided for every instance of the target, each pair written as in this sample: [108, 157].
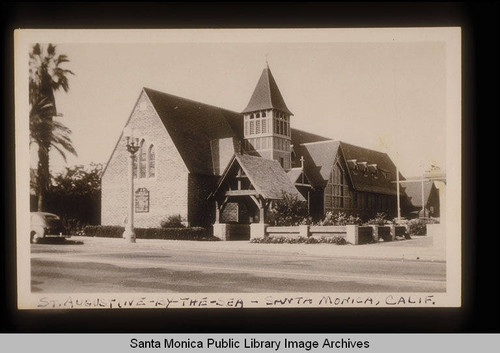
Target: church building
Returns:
[212, 165]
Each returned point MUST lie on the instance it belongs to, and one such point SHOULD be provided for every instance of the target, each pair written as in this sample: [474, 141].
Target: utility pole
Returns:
[423, 197]
[399, 202]
[421, 180]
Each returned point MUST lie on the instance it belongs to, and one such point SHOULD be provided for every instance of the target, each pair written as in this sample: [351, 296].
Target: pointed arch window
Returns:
[151, 161]
[337, 192]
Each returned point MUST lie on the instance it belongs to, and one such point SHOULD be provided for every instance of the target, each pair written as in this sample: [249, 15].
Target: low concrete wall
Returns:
[221, 231]
[258, 230]
[327, 231]
[351, 233]
[278, 231]
[306, 231]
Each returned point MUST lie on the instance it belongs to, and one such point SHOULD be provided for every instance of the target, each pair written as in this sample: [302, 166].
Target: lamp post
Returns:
[132, 145]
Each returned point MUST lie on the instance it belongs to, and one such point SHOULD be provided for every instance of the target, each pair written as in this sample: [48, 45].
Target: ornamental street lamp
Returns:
[132, 145]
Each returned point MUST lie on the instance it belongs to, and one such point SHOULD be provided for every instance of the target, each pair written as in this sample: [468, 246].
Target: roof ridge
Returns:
[266, 95]
[268, 72]
[189, 100]
[317, 142]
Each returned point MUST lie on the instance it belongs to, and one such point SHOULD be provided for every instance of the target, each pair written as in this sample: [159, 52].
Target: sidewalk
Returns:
[419, 248]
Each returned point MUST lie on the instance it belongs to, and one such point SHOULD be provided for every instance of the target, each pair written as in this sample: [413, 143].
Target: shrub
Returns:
[289, 211]
[104, 231]
[402, 222]
[380, 219]
[418, 226]
[300, 240]
[339, 219]
[193, 233]
[174, 221]
[73, 226]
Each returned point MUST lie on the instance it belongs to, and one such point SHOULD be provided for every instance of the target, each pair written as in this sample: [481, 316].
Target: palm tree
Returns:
[45, 77]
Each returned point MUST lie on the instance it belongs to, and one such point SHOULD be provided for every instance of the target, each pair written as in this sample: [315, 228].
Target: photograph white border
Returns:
[451, 36]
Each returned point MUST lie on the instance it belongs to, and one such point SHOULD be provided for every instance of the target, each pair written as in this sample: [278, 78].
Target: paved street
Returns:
[111, 265]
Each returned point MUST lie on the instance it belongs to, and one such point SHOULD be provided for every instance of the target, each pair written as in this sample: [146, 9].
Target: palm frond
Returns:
[62, 58]
[36, 49]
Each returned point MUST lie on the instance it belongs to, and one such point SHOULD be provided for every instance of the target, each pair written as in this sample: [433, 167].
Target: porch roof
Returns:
[267, 177]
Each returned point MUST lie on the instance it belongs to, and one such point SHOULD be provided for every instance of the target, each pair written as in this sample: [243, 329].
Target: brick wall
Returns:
[168, 190]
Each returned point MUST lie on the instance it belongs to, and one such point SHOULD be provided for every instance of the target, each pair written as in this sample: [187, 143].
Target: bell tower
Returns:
[267, 122]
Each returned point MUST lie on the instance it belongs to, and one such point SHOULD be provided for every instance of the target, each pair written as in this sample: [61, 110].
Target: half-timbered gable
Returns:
[250, 183]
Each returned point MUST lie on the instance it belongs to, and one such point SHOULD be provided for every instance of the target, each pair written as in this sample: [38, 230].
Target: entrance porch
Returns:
[247, 187]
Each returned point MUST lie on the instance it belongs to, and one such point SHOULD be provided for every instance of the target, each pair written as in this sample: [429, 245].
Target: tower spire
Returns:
[267, 121]
[266, 95]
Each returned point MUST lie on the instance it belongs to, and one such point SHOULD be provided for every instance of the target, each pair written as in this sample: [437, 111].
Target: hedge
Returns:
[193, 233]
[418, 226]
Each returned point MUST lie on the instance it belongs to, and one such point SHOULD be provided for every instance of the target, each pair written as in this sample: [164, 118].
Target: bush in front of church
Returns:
[191, 233]
[174, 221]
[418, 226]
[289, 211]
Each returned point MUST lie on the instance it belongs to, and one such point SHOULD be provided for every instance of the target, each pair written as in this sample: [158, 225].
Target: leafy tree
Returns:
[288, 211]
[45, 77]
[75, 195]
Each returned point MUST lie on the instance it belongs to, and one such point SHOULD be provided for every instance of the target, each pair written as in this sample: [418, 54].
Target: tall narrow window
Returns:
[264, 126]
[151, 161]
[257, 126]
[252, 127]
[142, 161]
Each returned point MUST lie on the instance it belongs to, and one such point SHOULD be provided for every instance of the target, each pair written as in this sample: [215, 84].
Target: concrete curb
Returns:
[407, 250]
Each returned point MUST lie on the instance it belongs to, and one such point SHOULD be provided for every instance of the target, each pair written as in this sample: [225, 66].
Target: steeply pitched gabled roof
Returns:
[192, 125]
[369, 183]
[299, 137]
[293, 174]
[266, 95]
[319, 158]
[414, 192]
[267, 177]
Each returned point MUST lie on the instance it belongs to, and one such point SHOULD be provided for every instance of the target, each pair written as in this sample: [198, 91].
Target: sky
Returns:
[390, 97]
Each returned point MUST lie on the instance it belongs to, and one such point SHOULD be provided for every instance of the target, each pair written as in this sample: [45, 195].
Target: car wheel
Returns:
[35, 237]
